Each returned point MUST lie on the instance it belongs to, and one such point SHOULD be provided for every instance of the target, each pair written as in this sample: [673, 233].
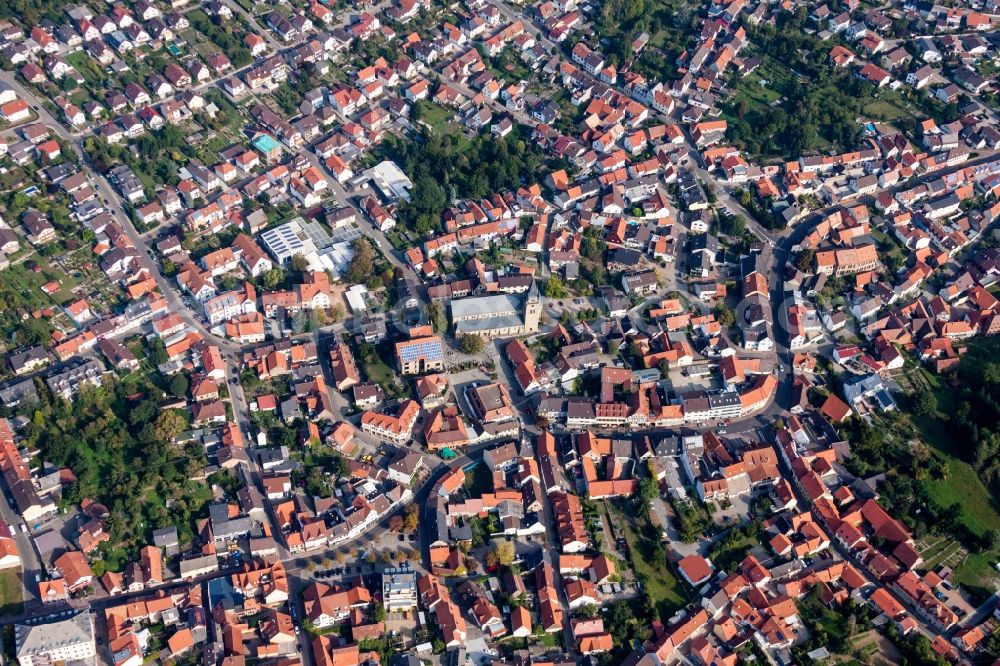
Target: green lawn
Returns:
[87, 67]
[756, 88]
[664, 590]
[963, 484]
[208, 151]
[11, 599]
[440, 120]
[887, 108]
[432, 114]
[727, 555]
[379, 369]
[29, 283]
[116, 560]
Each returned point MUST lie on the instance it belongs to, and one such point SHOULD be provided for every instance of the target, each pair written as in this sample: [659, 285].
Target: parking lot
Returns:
[462, 380]
[402, 629]
[690, 379]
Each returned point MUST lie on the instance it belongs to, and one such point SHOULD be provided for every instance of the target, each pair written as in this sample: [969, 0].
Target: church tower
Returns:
[532, 309]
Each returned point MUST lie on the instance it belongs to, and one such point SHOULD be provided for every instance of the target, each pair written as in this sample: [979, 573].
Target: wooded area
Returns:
[119, 444]
[443, 166]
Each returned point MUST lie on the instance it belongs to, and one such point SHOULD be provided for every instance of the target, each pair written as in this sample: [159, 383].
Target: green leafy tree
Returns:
[724, 315]
[362, 265]
[339, 466]
[438, 318]
[168, 424]
[272, 278]
[158, 351]
[471, 344]
[298, 263]
[178, 385]
[924, 402]
[804, 261]
[555, 288]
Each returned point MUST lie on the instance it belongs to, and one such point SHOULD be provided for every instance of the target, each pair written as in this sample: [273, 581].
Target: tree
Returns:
[411, 518]
[299, 263]
[993, 644]
[33, 331]
[396, 524]
[270, 279]
[736, 225]
[592, 247]
[991, 375]
[178, 385]
[924, 402]
[439, 320]
[339, 466]
[169, 423]
[648, 489]
[805, 259]
[362, 266]
[504, 552]
[471, 344]
[555, 287]
[158, 352]
[724, 315]
[143, 413]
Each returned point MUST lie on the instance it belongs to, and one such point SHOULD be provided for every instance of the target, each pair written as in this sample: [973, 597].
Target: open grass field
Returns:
[883, 110]
[887, 108]
[440, 120]
[758, 86]
[28, 282]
